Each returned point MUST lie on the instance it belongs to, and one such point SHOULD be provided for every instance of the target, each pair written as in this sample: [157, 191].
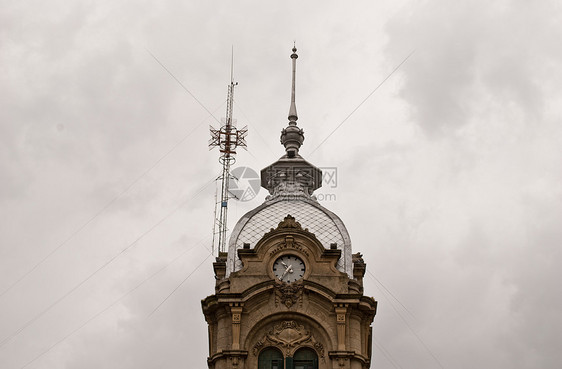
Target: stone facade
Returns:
[325, 310]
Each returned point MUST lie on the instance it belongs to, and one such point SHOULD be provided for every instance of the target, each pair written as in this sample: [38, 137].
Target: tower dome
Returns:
[327, 226]
[291, 182]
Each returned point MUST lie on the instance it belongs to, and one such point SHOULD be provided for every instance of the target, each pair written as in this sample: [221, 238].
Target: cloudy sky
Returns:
[449, 175]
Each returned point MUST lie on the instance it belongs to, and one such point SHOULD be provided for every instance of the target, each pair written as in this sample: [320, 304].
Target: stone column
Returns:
[236, 311]
[341, 310]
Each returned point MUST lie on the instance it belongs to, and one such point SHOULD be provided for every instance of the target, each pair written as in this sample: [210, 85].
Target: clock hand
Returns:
[284, 273]
[289, 269]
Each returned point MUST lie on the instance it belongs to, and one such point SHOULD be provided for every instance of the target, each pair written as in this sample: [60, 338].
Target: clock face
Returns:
[288, 268]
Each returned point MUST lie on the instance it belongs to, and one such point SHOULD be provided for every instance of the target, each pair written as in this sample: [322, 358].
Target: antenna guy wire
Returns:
[362, 102]
[44, 311]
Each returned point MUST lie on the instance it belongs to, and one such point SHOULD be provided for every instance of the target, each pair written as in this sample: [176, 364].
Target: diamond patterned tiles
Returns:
[309, 216]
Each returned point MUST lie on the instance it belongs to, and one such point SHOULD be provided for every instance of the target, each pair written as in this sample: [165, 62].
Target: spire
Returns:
[291, 176]
[292, 137]
[293, 109]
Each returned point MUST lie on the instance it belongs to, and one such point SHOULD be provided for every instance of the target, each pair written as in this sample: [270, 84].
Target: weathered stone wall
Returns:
[325, 310]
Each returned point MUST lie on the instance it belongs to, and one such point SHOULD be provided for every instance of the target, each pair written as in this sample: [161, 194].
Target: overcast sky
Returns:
[449, 177]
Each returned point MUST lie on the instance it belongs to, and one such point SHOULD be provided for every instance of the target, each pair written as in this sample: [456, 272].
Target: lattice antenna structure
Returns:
[228, 138]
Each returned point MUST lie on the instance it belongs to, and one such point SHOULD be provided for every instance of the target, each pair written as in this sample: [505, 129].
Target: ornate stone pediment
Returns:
[288, 336]
[289, 222]
[289, 243]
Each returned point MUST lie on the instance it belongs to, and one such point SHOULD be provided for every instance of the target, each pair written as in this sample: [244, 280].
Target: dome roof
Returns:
[291, 182]
[326, 226]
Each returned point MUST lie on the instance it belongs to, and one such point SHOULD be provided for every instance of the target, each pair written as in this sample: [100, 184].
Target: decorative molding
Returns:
[288, 294]
[319, 348]
[288, 336]
[289, 243]
[288, 189]
[289, 222]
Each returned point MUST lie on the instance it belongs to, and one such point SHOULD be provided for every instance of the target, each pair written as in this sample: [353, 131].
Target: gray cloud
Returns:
[449, 177]
[472, 54]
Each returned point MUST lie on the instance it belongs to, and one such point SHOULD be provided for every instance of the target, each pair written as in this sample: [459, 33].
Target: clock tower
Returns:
[289, 291]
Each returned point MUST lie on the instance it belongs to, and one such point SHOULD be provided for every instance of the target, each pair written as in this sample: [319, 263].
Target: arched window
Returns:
[270, 358]
[305, 358]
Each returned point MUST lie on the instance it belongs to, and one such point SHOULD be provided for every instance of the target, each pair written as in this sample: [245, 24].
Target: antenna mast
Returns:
[227, 138]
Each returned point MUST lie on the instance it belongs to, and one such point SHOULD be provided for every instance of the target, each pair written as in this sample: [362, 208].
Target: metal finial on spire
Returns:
[291, 176]
[292, 137]
[293, 109]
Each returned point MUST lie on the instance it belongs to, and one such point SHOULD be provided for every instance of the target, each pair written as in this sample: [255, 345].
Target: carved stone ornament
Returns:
[357, 258]
[289, 222]
[288, 336]
[288, 293]
[287, 189]
[289, 243]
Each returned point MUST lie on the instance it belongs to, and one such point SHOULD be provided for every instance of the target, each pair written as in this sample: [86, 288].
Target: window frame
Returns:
[267, 363]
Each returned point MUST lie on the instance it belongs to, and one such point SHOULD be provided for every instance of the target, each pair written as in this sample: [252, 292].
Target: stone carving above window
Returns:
[289, 336]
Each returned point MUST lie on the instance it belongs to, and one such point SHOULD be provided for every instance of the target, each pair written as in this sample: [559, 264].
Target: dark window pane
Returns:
[270, 358]
[305, 358]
